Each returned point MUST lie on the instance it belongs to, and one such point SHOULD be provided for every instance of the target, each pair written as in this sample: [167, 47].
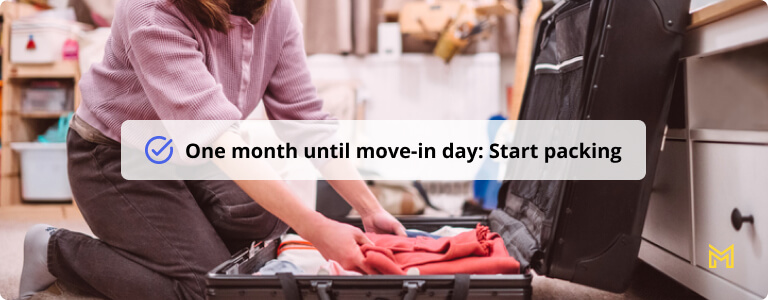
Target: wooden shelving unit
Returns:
[60, 69]
[18, 126]
[42, 114]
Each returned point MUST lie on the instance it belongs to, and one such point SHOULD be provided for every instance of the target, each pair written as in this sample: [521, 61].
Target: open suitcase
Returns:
[594, 60]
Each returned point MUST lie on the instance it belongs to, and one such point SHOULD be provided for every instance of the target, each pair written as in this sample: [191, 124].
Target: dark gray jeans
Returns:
[156, 239]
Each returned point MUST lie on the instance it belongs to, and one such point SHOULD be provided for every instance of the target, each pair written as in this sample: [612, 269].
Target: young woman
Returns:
[186, 60]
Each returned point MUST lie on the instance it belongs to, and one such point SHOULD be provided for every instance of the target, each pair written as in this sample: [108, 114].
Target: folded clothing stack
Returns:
[466, 251]
[301, 253]
[298, 256]
[478, 251]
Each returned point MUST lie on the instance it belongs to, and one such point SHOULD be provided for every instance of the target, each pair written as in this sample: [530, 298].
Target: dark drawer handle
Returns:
[737, 219]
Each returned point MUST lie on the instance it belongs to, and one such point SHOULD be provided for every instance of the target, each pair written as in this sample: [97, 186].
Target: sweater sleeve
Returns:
[173, 74]
[178, 85]
[290, 94]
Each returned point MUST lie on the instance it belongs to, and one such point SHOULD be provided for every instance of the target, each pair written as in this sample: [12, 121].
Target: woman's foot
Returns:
[35, 276]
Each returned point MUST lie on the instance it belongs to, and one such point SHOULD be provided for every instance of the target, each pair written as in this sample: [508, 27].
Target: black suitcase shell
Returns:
[618, 61]
[232, 279]
[586, 232]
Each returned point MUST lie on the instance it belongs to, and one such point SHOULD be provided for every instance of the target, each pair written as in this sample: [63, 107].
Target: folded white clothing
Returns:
[275, 266]
[334, 268]
[301, 253]
[448, 231]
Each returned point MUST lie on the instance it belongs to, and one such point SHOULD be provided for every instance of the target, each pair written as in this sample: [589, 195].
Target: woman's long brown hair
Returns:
[214, 14]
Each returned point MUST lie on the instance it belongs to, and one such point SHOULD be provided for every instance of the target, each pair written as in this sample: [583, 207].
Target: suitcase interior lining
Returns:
[528, 210]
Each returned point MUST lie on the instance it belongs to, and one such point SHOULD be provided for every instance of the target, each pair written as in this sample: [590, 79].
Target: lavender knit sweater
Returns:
[161, 65]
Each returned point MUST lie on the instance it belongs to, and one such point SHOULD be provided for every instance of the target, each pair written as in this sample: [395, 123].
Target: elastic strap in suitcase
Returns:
[460, 287]
[290, 288]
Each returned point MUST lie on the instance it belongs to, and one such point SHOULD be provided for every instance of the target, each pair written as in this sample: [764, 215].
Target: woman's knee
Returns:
[233, 213]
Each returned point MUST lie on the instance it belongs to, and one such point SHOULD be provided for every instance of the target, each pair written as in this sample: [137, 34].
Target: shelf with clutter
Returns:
[40, 72]
[449, 27]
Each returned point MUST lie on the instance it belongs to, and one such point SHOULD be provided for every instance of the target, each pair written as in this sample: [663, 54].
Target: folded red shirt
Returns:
[479, 251]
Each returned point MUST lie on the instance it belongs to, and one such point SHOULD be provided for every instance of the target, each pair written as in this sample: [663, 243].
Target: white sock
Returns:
[35, 276]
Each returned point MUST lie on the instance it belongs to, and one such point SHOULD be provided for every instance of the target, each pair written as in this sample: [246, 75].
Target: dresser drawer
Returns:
[728, 177]
[668, 222]
[728, 91]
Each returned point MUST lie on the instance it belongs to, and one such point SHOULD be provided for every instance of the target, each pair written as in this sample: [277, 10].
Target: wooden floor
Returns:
[40, 212]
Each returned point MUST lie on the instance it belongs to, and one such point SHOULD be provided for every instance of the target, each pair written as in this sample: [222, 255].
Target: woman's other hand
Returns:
[339, 242]
[383, 222]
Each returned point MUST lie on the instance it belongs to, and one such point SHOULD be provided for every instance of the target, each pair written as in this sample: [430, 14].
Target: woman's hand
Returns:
[375, 218]
[381, 221]
[338, 241]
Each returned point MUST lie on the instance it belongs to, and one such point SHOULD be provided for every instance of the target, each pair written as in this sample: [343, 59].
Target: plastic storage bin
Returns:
[43, 172]
[39, 41]
[45, 99]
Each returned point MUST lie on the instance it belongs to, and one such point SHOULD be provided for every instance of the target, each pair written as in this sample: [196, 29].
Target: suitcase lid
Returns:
[589, 232]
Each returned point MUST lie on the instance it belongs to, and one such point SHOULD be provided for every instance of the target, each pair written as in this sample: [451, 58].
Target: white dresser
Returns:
[715, 160]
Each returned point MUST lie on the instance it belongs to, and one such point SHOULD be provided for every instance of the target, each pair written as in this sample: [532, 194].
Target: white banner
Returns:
[384, 150]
